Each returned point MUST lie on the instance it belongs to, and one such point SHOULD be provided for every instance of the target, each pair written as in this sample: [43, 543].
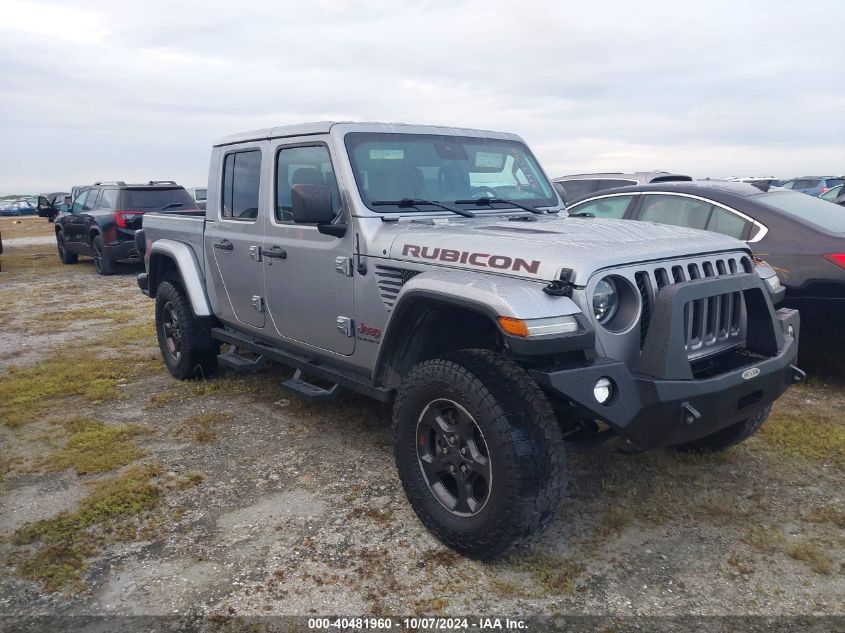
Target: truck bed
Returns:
[186, 228]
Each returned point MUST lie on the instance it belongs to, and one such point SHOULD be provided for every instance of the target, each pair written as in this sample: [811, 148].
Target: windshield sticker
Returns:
[490, 160]
[387, 154]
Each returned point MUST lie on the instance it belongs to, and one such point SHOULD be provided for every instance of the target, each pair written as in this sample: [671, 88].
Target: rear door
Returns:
[309, 292]
[233, 238]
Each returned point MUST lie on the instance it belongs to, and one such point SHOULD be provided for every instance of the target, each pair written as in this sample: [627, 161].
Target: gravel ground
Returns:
[265, 504]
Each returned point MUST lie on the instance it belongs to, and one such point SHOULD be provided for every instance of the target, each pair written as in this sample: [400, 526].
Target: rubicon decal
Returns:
[483, 260]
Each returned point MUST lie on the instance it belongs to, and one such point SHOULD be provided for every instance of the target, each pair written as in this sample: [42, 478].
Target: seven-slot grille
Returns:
[710, 324]
[390, 281]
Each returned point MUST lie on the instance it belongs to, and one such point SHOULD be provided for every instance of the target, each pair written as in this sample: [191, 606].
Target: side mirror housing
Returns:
[312, 204]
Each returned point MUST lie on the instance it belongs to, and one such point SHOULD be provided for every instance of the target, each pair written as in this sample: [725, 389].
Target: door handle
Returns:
[224, 245]
[275, 253]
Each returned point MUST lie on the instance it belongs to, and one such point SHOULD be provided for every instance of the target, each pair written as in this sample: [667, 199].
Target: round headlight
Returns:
[605, 300]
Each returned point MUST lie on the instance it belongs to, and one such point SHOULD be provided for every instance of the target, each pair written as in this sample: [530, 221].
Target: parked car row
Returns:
[16, 208]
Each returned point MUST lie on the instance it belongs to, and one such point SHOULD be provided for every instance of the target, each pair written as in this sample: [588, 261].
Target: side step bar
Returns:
[233, 360]
[339, 377]
[308, 390]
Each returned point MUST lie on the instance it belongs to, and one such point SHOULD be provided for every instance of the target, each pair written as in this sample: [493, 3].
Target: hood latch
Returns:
[561, 287]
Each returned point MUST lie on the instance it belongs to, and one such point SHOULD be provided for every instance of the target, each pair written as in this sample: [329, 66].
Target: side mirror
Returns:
[312, 204]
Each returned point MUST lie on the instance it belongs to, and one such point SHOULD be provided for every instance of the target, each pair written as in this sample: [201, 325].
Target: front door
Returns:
[309, 291]
[233, 239]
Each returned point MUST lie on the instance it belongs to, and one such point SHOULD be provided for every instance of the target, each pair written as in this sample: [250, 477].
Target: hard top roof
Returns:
[324, 127]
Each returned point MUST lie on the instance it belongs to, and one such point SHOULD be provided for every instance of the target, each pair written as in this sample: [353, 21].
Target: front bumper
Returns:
[664, 400]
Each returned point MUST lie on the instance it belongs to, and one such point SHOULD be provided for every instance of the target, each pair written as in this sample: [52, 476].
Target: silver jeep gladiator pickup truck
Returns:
[436, 268]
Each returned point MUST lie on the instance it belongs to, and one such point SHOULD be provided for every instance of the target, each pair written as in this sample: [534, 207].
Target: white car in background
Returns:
[199, 194]
[771, 180]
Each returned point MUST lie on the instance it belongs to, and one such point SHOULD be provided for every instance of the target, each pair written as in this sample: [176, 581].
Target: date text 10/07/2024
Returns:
[416, 624]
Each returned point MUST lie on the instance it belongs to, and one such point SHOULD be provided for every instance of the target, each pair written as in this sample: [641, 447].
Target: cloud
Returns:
[94, 90]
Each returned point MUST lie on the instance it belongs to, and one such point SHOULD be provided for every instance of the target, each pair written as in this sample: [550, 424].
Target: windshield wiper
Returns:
[173, 205]
[407, 203]
[489, 202]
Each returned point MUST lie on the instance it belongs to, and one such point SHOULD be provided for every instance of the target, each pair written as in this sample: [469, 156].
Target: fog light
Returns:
[790, 331]
[603, 390]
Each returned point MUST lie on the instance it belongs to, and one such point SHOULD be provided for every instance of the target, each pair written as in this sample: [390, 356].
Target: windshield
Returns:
[826, 215]
[442, 168]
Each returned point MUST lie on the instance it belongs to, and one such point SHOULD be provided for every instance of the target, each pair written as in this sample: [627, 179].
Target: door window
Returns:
[79, 203]
[241, 181]
[309, 165]
[675, 210]
[612, 207]
[91, 202]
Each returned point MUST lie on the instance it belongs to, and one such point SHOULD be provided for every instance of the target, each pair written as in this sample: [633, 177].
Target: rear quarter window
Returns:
[827, 216]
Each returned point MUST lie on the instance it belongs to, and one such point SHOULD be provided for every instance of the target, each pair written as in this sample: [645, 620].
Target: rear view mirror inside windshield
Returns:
[488, 162]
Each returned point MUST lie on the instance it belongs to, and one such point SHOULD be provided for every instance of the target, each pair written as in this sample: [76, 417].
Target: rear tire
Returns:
[728, 437]
[185, 341]
[479, 451]
[64, 255]
[102, 263]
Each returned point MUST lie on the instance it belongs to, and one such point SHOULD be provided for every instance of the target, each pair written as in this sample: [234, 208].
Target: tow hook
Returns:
[797, 375]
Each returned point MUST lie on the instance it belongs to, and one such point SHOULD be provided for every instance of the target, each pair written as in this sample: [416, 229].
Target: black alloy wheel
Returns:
[172, 331]
[454, 457]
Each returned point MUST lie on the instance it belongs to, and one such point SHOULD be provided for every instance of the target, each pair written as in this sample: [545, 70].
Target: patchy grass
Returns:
[551, 574]
[89, 313]
[807, 435]
[767, 540]
[827, 514]
[94, 447]
[165, 397]
[26, 226]
[64, 542]
[25, 260]
[201, 427]
[135, 335]
[26, 393]
[812, 554]
[741, 564]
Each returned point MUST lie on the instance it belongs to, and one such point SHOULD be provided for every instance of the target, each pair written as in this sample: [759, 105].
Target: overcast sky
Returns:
[98, 90]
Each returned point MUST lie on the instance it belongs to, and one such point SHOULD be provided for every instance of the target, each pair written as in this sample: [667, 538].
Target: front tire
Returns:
[727, 437]
[479, 451]
[64, 255]
[185, 341]
[102, 263]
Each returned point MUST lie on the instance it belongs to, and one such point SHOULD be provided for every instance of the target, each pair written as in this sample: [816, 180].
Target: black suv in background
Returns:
[576, 186]
[105, 216]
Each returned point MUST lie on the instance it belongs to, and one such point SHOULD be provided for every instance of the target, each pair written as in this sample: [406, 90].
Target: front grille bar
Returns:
[710, 324]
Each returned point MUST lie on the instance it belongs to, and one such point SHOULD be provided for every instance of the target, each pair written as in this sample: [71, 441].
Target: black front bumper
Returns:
[663, 401]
